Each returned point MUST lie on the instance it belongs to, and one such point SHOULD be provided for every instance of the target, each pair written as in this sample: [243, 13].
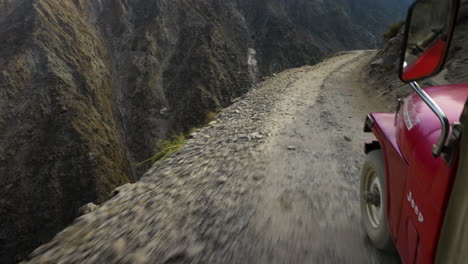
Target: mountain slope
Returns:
[83, 87]
[291, 33]
[383, 71]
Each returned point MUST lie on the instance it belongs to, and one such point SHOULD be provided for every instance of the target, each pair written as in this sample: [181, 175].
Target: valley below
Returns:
[273, 179]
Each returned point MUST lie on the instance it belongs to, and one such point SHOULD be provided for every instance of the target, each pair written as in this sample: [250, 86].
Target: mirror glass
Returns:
[427, 38]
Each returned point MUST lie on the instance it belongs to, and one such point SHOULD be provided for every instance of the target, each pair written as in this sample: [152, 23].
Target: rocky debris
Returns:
[184, 253]
[222, 179]
[117, 190]
[86, 209]
[258, 177]
[292, 147]
[256, 135]
[119, 246]
[194, 135]
[377, 62]
[347, 138]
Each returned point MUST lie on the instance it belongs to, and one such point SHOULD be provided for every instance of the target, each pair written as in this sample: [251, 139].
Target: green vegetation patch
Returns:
[174, 144]
[166, 149]
[212, 115]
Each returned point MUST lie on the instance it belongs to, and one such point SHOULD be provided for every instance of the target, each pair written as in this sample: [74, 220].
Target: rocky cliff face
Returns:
[383, 71]
[457, 64]
[291, 33]
[89, 87]
[60, 139]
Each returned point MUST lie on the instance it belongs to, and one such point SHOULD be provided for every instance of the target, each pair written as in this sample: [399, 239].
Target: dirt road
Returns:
[308, 208]
[273, 180]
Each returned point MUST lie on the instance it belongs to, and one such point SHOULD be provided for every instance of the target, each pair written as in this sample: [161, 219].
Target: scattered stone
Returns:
[242, 191]
[255, 135]
[117, 190]
[377, 62]
[194, 250]
[222, 179]
[163, 111]
[223, 240]
[258, 177]
[292, 147]
[119, 246]
[140, 257]
[348, 138]
[175, 255]
[181, 253]
[240, 138]
[87, 208]
[237, 112]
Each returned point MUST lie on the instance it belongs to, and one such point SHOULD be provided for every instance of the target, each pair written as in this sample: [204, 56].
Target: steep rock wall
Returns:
[88, 87]
[291, 33]
[383, 71]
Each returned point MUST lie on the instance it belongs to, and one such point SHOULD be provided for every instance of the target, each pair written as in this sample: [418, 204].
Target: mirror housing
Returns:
[428, 32]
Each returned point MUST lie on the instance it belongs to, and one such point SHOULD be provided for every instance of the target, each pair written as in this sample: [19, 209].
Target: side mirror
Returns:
[429, 29]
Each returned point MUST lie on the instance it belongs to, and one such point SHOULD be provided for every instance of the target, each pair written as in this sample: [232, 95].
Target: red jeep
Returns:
[414, 183]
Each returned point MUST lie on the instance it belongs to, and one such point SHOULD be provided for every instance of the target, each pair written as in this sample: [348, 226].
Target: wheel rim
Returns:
[374, 213]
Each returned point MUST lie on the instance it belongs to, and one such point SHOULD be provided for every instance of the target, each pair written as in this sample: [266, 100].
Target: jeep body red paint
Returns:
[418, 185]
